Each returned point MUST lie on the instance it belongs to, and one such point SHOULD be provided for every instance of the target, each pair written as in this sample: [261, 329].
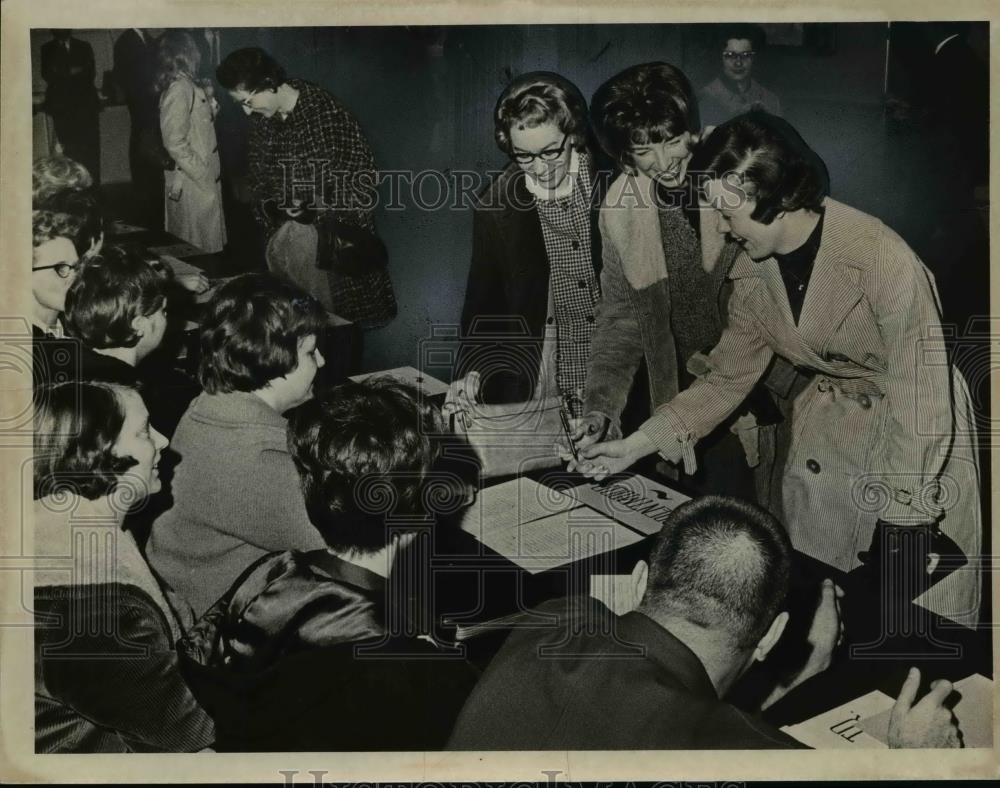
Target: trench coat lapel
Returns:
[834, 288]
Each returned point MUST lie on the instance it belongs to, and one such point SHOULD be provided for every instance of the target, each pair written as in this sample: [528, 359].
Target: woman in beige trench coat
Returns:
[187, 124]
[883, 430]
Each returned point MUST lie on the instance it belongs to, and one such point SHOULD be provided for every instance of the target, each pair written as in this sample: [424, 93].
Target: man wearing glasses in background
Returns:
[532, 285]
[735, 91]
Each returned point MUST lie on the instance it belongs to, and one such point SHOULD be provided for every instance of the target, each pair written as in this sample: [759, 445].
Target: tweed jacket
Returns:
[885, 422]
[506, 298]
[236, 497]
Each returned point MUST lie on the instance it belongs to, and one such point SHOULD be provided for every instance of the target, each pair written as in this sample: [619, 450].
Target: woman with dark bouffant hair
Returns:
[187, 123]
[663, 279]
[236, 492]
[95, 458]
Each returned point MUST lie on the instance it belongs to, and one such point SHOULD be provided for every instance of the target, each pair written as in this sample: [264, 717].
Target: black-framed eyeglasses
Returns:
[64, 270]
[738, 57]
[550, 154]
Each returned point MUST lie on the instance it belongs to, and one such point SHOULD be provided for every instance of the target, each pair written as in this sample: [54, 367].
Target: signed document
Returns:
[636, 501]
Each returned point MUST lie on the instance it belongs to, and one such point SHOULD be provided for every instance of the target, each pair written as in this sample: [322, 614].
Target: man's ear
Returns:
[640, 576]
[771, 637]
[140, 324]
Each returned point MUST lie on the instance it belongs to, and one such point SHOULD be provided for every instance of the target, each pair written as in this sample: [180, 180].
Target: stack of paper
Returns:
[539, 528]
[428, 384]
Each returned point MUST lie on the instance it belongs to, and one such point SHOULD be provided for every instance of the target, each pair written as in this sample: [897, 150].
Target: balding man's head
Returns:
[722, 565]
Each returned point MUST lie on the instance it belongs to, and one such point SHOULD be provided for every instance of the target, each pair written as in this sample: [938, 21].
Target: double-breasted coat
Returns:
[187, 123]
[883, 430]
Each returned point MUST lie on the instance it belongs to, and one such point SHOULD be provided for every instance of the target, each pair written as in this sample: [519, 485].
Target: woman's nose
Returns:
[159, 440]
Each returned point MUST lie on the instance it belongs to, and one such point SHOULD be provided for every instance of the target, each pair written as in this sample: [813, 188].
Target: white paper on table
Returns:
[617, 592]
[179, 267]
[640, 503]
[558, 540]
[841, 728]
[428, 384]
[974, 712]
[180, 249]
[539, 528]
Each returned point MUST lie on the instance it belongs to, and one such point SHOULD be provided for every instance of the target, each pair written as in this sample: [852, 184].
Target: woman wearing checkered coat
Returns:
[311, 162]
[533, 283]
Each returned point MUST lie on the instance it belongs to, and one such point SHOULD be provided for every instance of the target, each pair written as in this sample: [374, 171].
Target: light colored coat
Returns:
[884, 423]
[187, 123]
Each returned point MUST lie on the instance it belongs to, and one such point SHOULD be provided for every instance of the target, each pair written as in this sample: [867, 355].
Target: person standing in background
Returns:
[135, 73]
[310, 162]
[187, 122]
[735, 90]
[71, 98]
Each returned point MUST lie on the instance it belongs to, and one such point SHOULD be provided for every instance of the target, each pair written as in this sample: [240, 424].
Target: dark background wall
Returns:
[425, 98]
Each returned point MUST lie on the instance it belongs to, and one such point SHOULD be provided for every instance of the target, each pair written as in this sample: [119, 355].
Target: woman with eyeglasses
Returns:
[735, 91]
[311, 163]
[535, 252]
[187, 124]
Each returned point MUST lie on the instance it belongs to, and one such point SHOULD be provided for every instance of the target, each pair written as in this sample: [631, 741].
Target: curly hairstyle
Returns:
[251, 331]
[83, 216]
[76, 426]
[536, 98]
[109, 292]
[367, 455]
[250, 69]
[53, 174]
[176, 54]
[646, 103]
[766, 157]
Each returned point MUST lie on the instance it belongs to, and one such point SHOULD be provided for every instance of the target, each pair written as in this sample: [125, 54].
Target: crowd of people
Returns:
[741, 333]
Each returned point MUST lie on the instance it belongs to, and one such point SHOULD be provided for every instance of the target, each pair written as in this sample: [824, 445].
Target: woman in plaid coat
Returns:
[310, 161]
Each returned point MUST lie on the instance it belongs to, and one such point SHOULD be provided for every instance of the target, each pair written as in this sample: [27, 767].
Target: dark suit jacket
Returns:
[135, 70]
[596, 681]
[506, 298]
[69, 77]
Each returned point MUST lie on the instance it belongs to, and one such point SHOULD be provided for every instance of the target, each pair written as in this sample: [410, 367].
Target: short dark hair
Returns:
[250, 69]
[650, 102]
[769, 160]
[720, 563]
[365, 454]
[741, 32]
[541, 97]
[109, 292]
[251, 332]
[76, 426]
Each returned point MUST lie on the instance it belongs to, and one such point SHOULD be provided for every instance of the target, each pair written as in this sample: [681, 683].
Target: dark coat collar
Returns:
[667, 652]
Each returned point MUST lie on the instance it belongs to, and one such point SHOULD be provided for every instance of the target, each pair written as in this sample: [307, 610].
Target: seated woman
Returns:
[236, 492]
[94, 456]
[117, 308]
[300, 634]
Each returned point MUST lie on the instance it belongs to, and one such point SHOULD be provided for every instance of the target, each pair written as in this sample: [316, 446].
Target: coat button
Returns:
[865, 401]
[590, 318]
[812, 465]
[576, 244]
[550, 320]
[583, 284]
